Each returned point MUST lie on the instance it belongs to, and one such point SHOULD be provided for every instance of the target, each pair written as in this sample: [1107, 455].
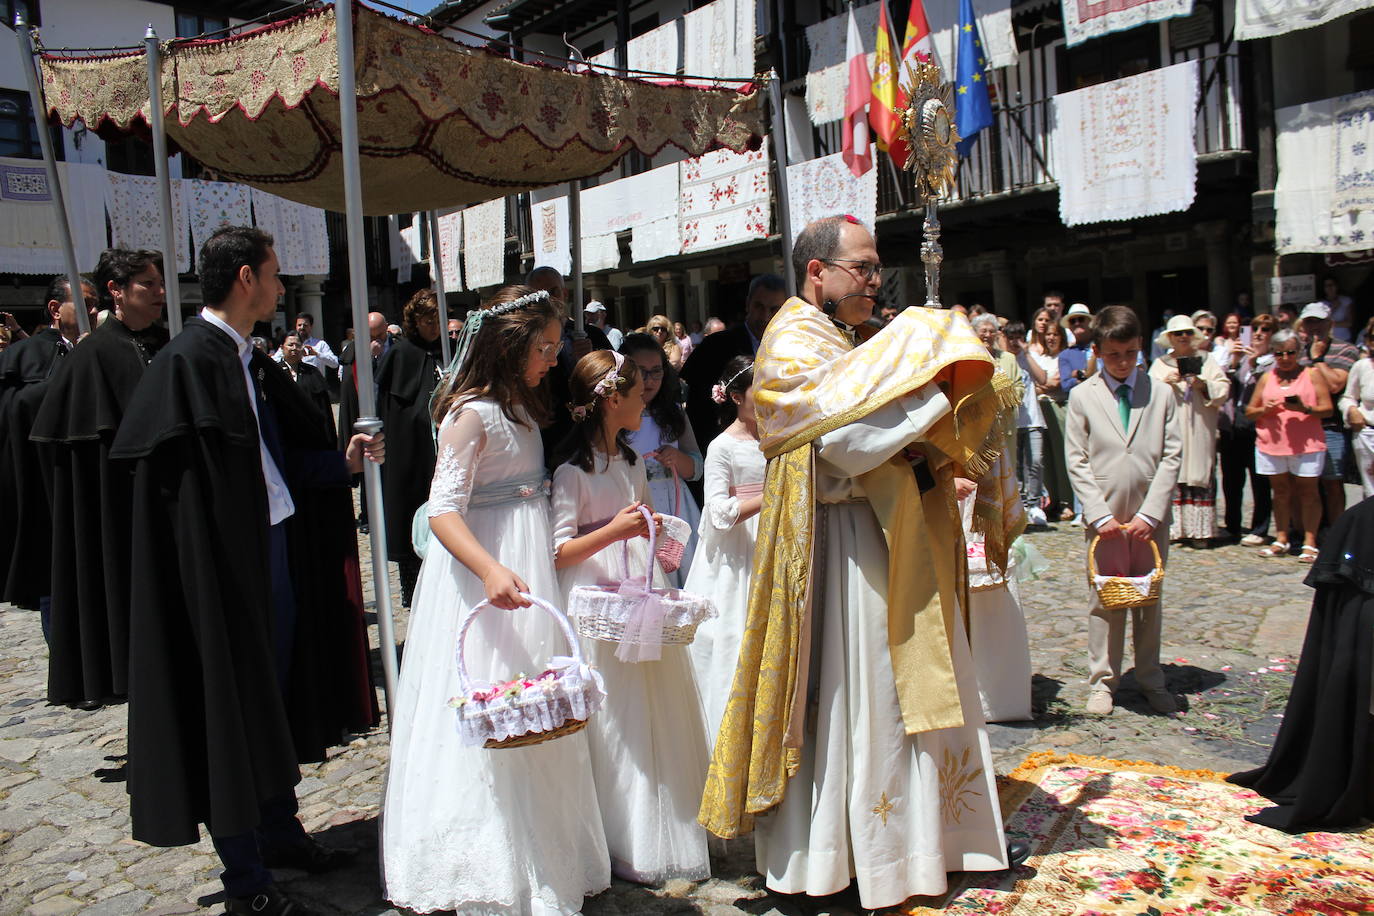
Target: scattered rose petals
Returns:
[1189, 728]
[1210, 715]
[1262, 671]
[1225, 667]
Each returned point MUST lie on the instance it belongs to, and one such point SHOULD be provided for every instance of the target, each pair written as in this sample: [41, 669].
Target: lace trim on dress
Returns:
[451, 488]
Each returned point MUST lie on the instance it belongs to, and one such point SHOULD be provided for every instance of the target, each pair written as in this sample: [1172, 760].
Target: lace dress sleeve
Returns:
[721, 509]
[460, 445]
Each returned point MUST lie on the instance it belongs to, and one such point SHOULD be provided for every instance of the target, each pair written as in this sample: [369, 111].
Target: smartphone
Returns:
[1190, 365]
[1245, 335]
[1293, 401]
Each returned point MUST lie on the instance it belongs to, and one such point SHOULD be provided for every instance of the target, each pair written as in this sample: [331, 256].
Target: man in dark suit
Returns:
[767, 293]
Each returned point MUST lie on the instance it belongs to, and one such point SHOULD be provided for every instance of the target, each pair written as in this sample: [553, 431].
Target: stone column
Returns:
[1004, 287]
[310, 298]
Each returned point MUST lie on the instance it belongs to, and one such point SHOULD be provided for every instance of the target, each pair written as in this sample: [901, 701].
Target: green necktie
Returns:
[1123, 405]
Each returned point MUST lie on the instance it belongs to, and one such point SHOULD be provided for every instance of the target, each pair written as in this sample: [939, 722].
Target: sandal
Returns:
[1276, 549]
[1308, 555]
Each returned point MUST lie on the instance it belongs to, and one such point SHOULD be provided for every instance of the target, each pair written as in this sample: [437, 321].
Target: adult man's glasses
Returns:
[866, 269]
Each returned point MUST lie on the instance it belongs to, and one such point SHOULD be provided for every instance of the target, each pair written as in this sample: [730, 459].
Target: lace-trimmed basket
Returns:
[1120, 592]
[526, 710]
[629, 614]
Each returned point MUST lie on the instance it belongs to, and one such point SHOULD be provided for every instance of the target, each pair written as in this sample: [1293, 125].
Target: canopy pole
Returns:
[575, 238]
[436, 270]
[27, 54]
[780, 156]
[157, 123]
[368, 421]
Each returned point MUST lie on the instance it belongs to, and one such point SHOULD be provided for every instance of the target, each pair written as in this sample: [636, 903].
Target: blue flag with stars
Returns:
[972, 108]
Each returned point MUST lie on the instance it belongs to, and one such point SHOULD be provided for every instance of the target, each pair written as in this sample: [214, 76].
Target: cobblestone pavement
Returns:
[1233, 626]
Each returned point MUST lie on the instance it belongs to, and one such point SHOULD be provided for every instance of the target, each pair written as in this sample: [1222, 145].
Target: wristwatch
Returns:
[1316, 359]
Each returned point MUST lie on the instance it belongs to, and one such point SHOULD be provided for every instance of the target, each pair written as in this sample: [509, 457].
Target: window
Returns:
[11, 8]
[18, 132]
[189, 25]
[1109, 57]
[130, 155]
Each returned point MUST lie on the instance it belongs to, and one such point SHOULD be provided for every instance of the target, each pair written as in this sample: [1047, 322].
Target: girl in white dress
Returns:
[665, 441]
[488, 831]
[648, 742]
[735, 468]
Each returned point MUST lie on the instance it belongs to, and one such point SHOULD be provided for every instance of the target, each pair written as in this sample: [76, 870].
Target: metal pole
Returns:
[575, 237]
[780, 155]
[932, 254]
[171, 280]
[27, 54]
[436, 269]
[368, 421]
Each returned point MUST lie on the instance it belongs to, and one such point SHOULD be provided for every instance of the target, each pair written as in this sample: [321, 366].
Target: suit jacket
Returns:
[1123, 472]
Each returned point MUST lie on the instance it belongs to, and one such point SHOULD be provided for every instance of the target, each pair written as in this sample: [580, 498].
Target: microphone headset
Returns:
[830, 305]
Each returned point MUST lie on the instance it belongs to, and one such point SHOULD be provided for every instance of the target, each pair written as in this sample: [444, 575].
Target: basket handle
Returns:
[464, 681]
[1092, 556]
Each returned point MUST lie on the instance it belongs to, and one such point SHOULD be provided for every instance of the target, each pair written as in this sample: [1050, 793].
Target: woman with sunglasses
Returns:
[1290, 447]
[660, 328]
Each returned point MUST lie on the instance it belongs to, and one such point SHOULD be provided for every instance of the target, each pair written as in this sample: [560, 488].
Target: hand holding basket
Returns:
[1120, 592]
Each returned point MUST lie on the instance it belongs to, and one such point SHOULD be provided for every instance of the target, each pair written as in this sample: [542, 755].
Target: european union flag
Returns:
[972, 108]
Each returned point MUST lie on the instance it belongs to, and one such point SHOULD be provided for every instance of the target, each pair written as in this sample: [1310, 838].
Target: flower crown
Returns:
[608, 385]
[720, 391]
[462, 348]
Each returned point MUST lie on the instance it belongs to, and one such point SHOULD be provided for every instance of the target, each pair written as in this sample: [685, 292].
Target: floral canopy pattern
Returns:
[440, 124]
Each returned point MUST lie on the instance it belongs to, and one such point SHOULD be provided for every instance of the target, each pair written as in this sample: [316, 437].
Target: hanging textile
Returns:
[829, 71]
[724, 199]
[1125, 148]
[135, 220]
[718, 39]
[826, 187]
[661, 238]
[484, 244]
[1084, 19]
[402, 254]
[600, 252]
[212, 204]
[552, 246]
[451, 249]
[1310, 181]
[1354, 171]
[635, 203]
[657, 51]
[30, 241]
[1267, 18]
[298, 231]
[994, 27]
[605, 61]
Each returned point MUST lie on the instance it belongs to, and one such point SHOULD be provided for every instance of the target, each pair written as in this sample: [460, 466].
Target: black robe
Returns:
[210, 735]
[406, 377]
[1319, 771]
[26, 518]
[316, 387]
[703, 371]
[88, 641]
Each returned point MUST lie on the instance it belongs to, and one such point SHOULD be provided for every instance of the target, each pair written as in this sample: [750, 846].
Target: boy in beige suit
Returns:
[1123, 449]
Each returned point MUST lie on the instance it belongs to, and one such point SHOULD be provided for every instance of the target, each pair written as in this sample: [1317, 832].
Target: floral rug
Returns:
[1111, 837]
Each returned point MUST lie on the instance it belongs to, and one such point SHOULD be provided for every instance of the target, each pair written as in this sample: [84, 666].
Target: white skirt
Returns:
[1001, 654]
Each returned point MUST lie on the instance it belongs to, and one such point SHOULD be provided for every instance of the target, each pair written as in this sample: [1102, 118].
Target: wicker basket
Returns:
[610, 613]
[1117, 592]
[526, 711]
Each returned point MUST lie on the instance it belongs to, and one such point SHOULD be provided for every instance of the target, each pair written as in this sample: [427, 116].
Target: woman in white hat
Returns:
[1200, 389]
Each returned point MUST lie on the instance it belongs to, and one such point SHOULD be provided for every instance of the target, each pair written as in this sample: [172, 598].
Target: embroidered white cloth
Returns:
[30, 242]
[212, 204]
[1267, 18]
[1354, 154]
[410, 247]
[552, 244]
[826, 187]
[131, 201]
[829, 71]
[451, 249]
[724, 199]
[600, 252]
[628, 202]
[605, 61]
[718, 39]
[1139, 583]
[658, 50]
[661, 238]
[1084, 19]
[1125, 148]
[484, 244]
[994, 25]
[298, 230]
[1305, 195]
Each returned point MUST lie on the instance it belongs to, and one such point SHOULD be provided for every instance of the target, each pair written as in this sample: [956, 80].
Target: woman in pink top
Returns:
[1289, 444]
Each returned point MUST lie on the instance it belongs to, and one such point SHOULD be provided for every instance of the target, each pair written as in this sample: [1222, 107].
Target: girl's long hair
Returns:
[579, 445]
[495, 364]
[735, 378]
[664, 408]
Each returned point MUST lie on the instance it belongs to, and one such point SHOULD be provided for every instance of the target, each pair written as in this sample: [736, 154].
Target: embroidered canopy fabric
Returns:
[440, 124]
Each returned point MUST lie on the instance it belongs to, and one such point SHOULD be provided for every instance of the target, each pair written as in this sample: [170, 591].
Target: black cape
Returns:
[210, 735]
[26, 518]
[316, 387]
[405, 380]
[1318, 773]
[88, 640]
[702, 372]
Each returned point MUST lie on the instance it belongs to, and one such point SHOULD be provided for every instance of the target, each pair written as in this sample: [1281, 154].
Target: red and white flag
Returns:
[857, 154]
[918, 37]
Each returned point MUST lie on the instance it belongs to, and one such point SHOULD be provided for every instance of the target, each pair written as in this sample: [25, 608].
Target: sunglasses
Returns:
[1285, 352]
[1206, 329]
[1077, 321]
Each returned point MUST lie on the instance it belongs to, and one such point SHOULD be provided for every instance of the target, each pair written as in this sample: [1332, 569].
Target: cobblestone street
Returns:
[1233, 625]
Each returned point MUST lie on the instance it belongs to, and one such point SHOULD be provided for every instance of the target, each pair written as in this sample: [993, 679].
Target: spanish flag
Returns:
[887, 92]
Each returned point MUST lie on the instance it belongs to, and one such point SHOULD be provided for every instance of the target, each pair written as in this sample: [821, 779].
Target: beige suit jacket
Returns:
[1119, 472]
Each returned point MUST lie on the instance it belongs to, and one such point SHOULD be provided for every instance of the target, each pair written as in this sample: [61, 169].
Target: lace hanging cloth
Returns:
[724, 199]
[484, 244]
[1084, 19]
[826, 187]
[1310, 185]
[302, 242]
[135, 220]
[212, 204]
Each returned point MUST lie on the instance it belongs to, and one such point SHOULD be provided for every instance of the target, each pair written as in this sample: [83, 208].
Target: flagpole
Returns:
[784, 201]
[171, 279]
[436, 267]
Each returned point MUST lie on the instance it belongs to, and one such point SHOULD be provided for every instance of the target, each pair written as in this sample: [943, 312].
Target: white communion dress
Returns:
[997, 629]
[870, 802]
[648, 742]
[669, 494]
[480, 831]
[724, 566]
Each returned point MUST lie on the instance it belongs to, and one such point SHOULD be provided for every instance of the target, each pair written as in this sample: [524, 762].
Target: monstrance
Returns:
[928, 125]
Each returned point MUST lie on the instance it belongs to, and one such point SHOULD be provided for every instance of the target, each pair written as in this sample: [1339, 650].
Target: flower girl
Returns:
[729, 525]
[488, 831]
[665, 441]
[648, 743]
